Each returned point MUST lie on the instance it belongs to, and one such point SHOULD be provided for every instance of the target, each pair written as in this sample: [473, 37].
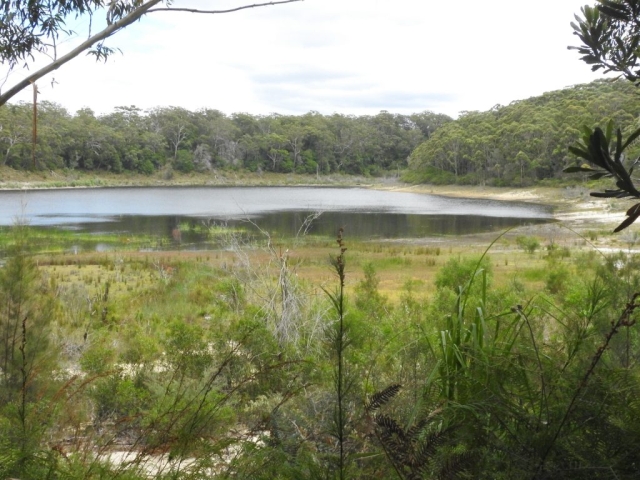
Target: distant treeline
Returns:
[130, 139]
[525, 141]
[517, 144]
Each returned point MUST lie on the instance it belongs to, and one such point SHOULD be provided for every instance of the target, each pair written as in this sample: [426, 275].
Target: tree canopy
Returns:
[130, 139]
[525, 141]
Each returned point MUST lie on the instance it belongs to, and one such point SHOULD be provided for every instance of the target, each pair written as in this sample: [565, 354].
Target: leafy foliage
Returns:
[525, 141]
[29, 26]
[130, 139]
[610, 34]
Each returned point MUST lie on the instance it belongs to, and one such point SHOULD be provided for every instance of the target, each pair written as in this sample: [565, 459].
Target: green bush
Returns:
[528, 244]
[557, 279]
[458, 272]
[184, 161]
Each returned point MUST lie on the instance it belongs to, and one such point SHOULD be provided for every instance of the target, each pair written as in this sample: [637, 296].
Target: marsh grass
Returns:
[150, 326]
[52, 241]
[395, 265]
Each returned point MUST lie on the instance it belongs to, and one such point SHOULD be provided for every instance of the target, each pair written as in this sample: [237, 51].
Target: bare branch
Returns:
[244, 7]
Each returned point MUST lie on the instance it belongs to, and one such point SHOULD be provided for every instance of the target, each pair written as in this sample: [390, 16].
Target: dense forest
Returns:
[525, 141]
[130, 139]
[517, 144]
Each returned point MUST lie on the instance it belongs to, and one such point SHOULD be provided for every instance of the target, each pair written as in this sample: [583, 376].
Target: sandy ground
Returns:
[580, 220]
[572, 206]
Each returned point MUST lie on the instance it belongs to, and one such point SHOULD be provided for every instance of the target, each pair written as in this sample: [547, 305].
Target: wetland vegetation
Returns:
[491, 355]
[272, 352]
[280, 356]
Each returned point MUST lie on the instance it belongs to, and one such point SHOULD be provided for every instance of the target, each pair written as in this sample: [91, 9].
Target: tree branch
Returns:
[244, 7]
[110, 30]
[107, 32]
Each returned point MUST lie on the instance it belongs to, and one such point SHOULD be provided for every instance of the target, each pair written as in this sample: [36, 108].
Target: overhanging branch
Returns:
[244, 7]
[110, 30]
[87, 44]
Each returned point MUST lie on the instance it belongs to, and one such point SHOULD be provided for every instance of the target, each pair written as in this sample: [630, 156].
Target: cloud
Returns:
[352, 99]
[347, 56]
[302, 76]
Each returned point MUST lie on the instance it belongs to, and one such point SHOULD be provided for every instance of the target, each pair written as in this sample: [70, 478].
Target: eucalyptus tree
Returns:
[319, 142]
[142, 148]
[15, 131]
[219, 133]
[177, 126]
[53, 135]
[93, 145]
[274, 147]
[428, 121]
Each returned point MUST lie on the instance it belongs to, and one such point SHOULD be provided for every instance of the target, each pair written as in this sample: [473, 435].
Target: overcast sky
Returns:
[346, 56]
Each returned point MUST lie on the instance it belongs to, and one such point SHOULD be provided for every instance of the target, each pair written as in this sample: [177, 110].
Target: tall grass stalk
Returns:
[340, 342]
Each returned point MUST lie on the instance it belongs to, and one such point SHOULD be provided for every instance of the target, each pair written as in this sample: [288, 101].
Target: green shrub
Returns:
[184, 161]
[457, 272]
[528, 244]
[557, 279]
[97, 359]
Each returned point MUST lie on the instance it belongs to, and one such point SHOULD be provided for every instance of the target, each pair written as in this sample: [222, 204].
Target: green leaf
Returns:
[631, 138]
[618, 145]
[577, 169]
[627, 222]
[580, 153]
[609, 131]
[599, 175]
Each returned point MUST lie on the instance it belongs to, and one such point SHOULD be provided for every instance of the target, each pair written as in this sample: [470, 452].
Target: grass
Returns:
[131, 272]
[49, 240]
[395, 264]
[18, 179]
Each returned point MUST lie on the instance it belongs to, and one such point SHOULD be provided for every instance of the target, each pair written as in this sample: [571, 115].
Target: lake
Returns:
[364, 213]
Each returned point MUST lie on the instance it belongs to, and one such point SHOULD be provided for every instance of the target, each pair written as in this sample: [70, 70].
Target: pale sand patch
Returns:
[577, 214]
[466, 191]
[594, 216]
[573, 206]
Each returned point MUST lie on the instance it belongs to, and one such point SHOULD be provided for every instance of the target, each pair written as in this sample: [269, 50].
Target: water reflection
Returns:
[195, 231]
[181, 217]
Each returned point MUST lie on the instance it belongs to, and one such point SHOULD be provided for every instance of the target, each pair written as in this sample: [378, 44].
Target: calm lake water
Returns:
[280, 210]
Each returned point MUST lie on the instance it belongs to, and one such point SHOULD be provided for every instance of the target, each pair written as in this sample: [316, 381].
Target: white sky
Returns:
[347, 56]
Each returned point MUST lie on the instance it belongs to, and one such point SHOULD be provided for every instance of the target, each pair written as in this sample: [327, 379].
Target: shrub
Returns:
[528, 244]
[557, 279]
[457, 272]
[184, 161]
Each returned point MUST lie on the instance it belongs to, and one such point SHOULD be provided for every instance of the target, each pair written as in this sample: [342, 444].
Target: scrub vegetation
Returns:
[313, 358]
[307, 358]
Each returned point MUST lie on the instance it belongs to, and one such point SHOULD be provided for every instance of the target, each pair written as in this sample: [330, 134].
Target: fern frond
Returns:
[427, 449]
[414, 431]
[454, 465]
[388, 427]
[381, 398]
